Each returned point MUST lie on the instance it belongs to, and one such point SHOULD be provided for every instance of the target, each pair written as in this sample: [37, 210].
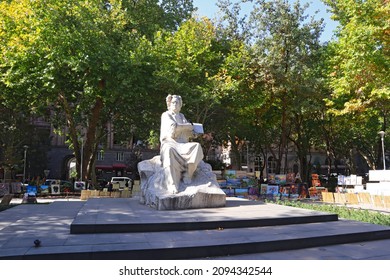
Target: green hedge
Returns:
[362, 215]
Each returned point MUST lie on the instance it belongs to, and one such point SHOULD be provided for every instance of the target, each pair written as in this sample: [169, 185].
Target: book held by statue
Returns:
[198, 128]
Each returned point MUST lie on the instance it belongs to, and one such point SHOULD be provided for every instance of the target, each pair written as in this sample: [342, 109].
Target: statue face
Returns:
[175, 105]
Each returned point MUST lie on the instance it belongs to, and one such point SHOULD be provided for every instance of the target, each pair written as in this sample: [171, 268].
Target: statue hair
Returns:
[170, 97]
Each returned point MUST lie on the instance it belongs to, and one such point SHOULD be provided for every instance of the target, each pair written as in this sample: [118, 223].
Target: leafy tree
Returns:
[278, 80]
[82, 61]
[286, 46]
[234, 85]
[12, 135]
[187, 63]
[359, 72]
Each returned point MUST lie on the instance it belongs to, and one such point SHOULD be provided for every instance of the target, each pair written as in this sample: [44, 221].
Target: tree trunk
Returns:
[84, 148]
[91, 135]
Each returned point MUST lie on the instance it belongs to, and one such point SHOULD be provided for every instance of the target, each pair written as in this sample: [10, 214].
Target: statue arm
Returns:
[184, 128]
[168, 127]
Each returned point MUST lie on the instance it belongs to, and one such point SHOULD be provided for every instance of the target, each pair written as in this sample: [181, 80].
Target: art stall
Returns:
[238, 184]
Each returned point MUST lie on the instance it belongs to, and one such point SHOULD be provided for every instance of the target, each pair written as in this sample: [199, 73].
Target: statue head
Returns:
[174, 103]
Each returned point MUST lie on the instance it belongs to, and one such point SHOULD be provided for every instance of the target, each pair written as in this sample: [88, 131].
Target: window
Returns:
[100, 155]
[120, 156]
[271, 165]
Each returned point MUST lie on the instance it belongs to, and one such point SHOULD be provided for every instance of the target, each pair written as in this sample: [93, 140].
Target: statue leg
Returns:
[191, 167]
[173, 165]
[172, 179]
[193, 158]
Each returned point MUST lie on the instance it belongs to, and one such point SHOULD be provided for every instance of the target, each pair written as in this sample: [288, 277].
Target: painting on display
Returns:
[229, 191]
[263, 188]
[280, 179]
[31, 189]
[230, 173]
[271, 178]
[290, 178]
[79, 185]
[272, 189]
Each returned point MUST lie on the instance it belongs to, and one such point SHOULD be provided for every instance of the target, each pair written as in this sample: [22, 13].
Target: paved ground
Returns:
[50, 223]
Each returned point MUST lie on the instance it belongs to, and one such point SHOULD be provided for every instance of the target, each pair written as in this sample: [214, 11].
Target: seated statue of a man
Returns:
[179, 157]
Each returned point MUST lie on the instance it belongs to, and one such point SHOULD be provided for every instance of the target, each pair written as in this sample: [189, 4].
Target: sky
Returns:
[208, 8]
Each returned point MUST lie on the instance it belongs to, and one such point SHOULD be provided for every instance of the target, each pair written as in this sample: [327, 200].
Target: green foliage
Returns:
[187, 61]
[87, 64]
[359, 64]
[264, 78]
[272, 74]
[361, 56]
[361, 215]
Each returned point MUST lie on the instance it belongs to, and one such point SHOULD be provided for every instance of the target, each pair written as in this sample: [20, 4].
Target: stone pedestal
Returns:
[202, 192]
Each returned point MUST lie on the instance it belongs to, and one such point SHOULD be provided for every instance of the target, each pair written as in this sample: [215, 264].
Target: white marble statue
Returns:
[178, 178]
[179, 157]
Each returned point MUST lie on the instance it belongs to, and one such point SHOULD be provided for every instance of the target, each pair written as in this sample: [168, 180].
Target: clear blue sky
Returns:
[208, 8]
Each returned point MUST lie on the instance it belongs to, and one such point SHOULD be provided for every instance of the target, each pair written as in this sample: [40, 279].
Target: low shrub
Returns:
[356, 214]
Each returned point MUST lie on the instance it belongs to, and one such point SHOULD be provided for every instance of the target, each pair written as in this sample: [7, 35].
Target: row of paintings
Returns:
[265, 189]
[281, 179]
[235, 177]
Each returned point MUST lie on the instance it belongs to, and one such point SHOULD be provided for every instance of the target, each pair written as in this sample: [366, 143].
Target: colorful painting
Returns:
[222, 183]
[230, 173]
[272, 189]
[79, 185]
[290, 178]
[233, 182]
[271, 178]
[280, 179]
[228, 191]
[263, 188]
[31, 189]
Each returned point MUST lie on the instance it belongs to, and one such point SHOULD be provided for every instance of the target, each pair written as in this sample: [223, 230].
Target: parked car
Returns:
[121, 182]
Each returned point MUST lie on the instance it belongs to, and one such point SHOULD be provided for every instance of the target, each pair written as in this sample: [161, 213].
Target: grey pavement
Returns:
[51, 223]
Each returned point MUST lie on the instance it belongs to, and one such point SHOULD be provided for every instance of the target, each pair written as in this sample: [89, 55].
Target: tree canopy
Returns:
[82, 60]
[261, 81]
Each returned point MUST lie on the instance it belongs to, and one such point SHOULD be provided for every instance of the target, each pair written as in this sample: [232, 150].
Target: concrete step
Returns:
[209, 243]
[119, 216]
[116, 228]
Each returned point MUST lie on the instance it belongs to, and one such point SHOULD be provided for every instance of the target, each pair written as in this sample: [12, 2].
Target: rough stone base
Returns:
[207, 197]
[202, 192]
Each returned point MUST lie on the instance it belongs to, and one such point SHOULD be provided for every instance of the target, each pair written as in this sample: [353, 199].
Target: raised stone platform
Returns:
[120, 228]
[97, 217]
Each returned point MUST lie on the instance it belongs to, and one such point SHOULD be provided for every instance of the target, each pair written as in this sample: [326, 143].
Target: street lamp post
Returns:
[82, 155]
[247, 156]
[24, 162]
[382, 134]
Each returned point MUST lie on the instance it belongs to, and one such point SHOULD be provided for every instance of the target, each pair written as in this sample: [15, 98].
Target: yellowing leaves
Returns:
[362, 57]
[19, 29]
